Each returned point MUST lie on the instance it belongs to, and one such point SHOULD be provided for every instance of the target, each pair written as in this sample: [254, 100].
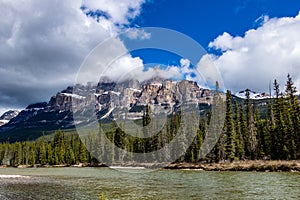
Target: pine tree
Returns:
[244, 132]
[239, 142]
[268, 131]
[59, 147]
[31, 159]
[70, 157]
[50, 154]
[199, 140]
[294, 118]
[18, 154]
[229, 129]
[279, 127]
[215, 129]
[42, 151]
[82, 153]
[254, 133]
[251, 129]
[181, 142]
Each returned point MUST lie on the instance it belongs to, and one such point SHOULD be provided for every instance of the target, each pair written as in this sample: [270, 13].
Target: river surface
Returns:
[88, 183]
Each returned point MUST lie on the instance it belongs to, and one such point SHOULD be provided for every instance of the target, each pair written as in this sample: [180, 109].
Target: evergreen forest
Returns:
[266, 129]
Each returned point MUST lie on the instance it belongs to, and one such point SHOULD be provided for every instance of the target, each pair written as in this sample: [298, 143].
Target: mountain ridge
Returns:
[43, 117]
[101, 99]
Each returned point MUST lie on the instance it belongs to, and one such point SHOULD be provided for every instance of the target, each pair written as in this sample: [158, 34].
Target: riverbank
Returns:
[250, 165]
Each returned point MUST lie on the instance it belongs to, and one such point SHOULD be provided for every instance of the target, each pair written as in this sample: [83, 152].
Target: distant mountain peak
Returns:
[7, 116]
[252, 94]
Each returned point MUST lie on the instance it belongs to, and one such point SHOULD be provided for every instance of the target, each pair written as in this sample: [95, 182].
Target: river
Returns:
[88, 183]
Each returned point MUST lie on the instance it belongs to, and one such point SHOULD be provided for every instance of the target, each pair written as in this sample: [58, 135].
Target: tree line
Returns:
[252, 129]
[247, 134]
[62, 149]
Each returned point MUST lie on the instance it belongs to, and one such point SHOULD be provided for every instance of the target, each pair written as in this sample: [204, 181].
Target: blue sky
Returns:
[204, 20]
[43, 43]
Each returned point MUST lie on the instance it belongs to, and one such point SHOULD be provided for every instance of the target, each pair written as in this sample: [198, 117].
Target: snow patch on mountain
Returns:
[157, 84]
[117, 93]
[135, 90]
[76, 96]
[2, 122]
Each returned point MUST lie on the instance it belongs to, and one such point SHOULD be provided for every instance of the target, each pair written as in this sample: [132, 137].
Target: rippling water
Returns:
[88, 183]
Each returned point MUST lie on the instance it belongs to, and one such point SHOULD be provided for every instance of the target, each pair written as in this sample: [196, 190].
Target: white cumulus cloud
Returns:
[114, 12]
[43, 43]
[128, 67]
[135, 33]
[269, 52]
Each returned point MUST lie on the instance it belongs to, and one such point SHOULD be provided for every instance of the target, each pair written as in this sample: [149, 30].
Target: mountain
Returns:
[7, 116]
[102, 101]
[252, 94]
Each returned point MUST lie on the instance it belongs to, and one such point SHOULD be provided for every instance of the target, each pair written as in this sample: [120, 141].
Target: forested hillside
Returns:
[253, 129]
[273, 135]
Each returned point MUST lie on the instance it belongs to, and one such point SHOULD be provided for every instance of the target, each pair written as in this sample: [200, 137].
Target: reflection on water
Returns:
[88, 183]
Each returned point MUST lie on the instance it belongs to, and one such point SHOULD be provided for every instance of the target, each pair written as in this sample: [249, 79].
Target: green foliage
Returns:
[60, 150]
[273, 135]
[247, 134]
[229, 129]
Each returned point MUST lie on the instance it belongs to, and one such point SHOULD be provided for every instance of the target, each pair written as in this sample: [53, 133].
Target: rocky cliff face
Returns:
[102, 99]
[162, 95]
